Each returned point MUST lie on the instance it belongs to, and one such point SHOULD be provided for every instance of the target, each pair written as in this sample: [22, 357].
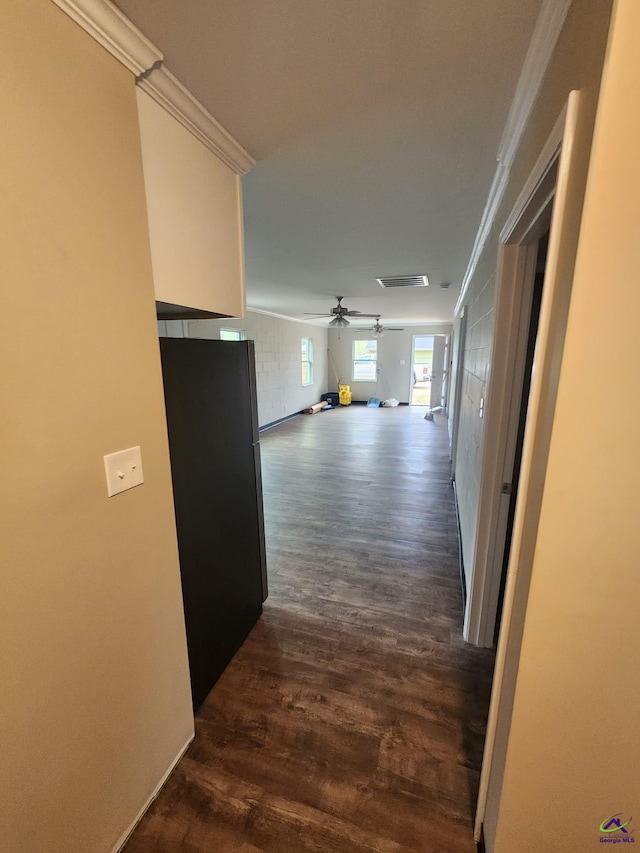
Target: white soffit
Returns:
[115, 32]
[168, 91]
[543, 42]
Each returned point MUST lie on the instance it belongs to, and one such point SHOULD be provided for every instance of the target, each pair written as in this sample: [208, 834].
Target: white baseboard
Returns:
[128, 832]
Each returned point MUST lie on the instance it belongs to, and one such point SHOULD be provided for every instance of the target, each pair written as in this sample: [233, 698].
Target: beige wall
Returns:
[393, 348]
[95, 692]
[573, 749]
[195, 216]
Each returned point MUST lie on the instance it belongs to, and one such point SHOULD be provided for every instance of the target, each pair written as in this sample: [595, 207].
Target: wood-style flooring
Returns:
[352, 719]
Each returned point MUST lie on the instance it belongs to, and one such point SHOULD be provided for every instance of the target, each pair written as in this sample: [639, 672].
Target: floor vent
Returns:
[403, 281]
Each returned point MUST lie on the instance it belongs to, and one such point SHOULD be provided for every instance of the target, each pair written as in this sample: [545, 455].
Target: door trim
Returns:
[413, 355]
[441, 348]
[516, 270]
[460, 343]
[563, 241]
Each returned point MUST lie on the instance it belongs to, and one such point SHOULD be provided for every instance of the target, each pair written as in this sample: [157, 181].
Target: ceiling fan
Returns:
[340, 314]
[379, 330]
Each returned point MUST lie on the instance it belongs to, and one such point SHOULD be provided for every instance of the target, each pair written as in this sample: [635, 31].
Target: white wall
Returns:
[576, 64]
[278, 358]
[195, 216]
[474, 381]
[573, 748]
[395, 379]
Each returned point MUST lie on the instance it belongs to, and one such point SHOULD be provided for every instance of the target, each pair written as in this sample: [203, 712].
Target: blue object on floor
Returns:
[373, 403]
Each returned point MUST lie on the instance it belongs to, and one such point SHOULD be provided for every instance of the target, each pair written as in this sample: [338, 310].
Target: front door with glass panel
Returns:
[421, 369]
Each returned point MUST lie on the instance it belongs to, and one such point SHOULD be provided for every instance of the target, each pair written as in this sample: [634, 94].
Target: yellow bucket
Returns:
[344, 393]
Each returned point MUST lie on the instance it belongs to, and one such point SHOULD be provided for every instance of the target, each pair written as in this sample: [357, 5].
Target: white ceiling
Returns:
[376, 125]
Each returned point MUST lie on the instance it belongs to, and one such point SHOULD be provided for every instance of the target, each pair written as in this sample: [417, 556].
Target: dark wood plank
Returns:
[352, 719]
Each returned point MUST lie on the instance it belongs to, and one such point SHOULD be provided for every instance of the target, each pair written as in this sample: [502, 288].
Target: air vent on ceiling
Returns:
[403, 281]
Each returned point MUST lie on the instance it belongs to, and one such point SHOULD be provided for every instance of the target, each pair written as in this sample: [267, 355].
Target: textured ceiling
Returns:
[375, 123]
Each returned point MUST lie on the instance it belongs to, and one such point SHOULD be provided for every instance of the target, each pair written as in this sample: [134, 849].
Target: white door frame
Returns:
[440, 366]
[413, 354]
[526, 217]
[515, 278]
[459, 342]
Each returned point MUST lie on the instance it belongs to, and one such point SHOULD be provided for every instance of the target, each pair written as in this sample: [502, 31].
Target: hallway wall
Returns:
[573, 748]
[96, 702]
[576, 64]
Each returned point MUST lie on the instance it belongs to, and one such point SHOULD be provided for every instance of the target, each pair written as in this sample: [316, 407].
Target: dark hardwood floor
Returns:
[352, 719]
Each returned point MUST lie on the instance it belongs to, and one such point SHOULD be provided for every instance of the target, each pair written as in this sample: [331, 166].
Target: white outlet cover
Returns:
[123, 470]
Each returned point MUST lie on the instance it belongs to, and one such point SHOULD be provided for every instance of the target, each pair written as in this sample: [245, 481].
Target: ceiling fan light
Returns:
[340, 322]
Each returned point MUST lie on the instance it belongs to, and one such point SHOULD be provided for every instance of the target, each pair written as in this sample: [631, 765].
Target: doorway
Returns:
[429, 357]
[421, 370]
[526, 360]
[512, 487]
[526, 227]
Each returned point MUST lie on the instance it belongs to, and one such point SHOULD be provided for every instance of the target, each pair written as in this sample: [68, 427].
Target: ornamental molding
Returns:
[114, 31]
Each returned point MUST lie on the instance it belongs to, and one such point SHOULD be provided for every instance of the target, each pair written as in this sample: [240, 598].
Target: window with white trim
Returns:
[231, 334]
[365, 361]
[307, 361]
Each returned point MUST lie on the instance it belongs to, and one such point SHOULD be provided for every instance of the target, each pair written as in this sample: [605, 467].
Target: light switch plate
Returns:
[124, 470]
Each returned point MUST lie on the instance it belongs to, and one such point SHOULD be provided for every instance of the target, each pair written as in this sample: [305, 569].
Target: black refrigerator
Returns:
[210, 397]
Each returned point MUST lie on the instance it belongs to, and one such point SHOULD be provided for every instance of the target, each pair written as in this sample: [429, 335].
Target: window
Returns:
[307, 362]
[365, 361]
[231, 334]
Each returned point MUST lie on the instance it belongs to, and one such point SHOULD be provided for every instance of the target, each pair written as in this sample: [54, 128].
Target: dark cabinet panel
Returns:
[210, 403]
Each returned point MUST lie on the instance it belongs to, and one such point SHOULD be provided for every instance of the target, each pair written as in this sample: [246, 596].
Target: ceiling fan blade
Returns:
[363, 316]
[316, 316]
[393, 328]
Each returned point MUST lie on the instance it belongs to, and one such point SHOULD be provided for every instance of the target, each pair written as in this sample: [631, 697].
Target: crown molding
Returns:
[541, 47]
[114, 31]
[280, 316]
[409, 324]
[543, 42]
[160, 84]
[546, 161]
[496, 193]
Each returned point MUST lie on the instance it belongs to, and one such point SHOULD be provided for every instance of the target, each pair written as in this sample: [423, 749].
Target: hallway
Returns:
[352, 719]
